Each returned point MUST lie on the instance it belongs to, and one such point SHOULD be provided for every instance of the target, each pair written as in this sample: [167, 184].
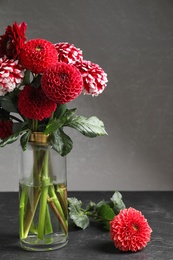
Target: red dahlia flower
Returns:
[129, 230]
[13, 40]
[94, 78]
[11, 74]
[68, 53]
[62, 83]
[37, 55]
[5, 128]
[34, 104]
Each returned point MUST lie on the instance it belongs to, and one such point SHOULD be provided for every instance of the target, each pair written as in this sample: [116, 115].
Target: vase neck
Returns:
[39, 138]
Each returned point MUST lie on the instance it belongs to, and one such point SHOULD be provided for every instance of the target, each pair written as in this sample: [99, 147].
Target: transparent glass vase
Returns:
[43, 209]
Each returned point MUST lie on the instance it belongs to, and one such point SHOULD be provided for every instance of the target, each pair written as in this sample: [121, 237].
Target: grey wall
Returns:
[133, 41]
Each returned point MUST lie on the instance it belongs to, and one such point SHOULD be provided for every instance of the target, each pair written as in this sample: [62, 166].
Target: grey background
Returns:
[132, 40]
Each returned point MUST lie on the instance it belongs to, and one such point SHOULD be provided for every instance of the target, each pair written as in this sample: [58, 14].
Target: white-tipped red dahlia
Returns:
[94, 78]
[68, 53]
[11, 74]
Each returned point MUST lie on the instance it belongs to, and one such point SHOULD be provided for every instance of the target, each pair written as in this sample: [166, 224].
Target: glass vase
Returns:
[43, 209]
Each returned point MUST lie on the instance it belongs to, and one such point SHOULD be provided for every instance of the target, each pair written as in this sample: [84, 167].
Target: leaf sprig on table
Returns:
[102, 212]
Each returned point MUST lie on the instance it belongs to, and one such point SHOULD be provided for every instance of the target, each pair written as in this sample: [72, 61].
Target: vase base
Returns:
[32, 243]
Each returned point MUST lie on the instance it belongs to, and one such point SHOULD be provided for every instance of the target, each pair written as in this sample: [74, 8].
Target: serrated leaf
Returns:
[70, 113]
[118, 202]
[100, 203]
[61, 142]
[10, 139]
[75, 202]
[76, 214]
[105, 212]
[90, 206]
[80, 219]
[90, 127]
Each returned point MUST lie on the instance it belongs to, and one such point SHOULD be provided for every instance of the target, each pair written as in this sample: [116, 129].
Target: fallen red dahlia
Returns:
[37, 55]
[62, 83]
[130, 230]
[34, 104]
[11, 74]
[68, 53]
[94, 78]
[13, 40]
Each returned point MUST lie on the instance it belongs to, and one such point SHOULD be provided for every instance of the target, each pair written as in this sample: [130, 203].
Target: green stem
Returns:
[22, 211]
[63, 222]
[62, 197]
[42, 212]
[43, 199]
[34, 125]
[56, 205]
[48, 224]
[27, 209]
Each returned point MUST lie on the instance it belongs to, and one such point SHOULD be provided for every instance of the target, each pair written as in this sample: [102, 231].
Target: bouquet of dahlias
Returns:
[37, 80]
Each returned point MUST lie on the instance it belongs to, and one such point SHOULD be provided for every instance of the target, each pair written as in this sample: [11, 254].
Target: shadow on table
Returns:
[9, 241]
[107, 248]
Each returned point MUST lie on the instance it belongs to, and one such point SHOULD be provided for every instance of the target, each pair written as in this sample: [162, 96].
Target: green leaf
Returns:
[27, 78]
[75, 202]
[8, 104]
[76, 214]
[100, 203]
[10, 139]
[61, 142]
[24, 140]
[91, 206]
[118, 202]
[105, 212]
[70, 113]
[60, 111]
[90, 127]
[104, 215]
[17, 127]
[79, 218]
[54, 125]
[36, 81]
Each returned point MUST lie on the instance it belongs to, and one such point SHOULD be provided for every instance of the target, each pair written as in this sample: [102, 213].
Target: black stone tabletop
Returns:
[94, 242]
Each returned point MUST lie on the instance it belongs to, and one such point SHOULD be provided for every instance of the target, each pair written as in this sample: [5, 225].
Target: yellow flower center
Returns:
[135, 227]
[38, 48]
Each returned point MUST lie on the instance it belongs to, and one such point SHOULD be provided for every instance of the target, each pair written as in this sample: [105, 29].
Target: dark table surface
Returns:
[94, 242]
